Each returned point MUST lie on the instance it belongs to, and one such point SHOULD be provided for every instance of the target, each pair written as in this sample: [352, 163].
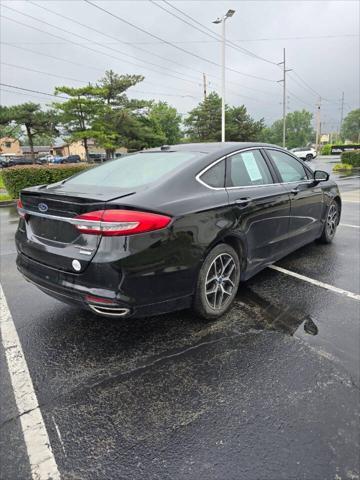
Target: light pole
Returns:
[222, 20]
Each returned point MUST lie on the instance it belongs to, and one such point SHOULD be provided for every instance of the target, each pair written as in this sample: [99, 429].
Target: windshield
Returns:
[134, 170]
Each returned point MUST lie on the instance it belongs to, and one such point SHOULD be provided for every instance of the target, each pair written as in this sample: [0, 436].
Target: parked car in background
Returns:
[172, 228]
[72, 159]
[14, 161]
[305, 153]
[97, 157]
[3, 161]
[57, 160]
[41, 161]
[46, 158]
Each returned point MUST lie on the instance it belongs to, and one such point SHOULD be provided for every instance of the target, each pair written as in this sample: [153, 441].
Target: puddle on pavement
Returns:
[261, 315]
[271, 317]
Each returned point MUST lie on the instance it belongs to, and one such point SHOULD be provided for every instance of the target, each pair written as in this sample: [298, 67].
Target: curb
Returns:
[8, 203]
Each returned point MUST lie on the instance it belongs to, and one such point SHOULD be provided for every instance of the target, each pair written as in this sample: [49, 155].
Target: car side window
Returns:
[215, 176]
[289, 168]
[247, 169]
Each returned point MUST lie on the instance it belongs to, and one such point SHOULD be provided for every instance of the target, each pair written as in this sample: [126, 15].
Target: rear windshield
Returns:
[134, 170]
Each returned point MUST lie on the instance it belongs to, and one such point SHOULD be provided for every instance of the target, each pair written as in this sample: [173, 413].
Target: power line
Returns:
[103, 53]
[49, 94]
[133, 43]
[241, 40]
[53, 57]
[228, 42]
[199, 57]
[43, 73]
[306, 84]
[33, 91]
[85, 82]
[105, 35]
[89, 48]
[21, 93]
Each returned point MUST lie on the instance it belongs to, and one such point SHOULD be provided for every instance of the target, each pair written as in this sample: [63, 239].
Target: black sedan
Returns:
[172, 227]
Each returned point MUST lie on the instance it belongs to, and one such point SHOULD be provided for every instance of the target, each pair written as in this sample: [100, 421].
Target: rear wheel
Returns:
[217, 283]
[309, 157]
[331, 223]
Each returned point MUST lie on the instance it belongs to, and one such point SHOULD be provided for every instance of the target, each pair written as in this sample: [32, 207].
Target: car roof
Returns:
[221, 148]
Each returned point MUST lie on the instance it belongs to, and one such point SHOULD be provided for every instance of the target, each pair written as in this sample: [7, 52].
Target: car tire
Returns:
[331, 222]
[217, 283]
[309, 157]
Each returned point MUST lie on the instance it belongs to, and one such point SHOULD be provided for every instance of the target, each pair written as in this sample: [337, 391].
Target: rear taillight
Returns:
[119, 222]
[20, 208]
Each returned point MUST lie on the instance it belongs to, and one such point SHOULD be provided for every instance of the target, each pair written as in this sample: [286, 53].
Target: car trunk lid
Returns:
[50, 237]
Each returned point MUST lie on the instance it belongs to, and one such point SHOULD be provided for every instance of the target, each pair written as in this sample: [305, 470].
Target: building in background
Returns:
[39, 150]
[10, 146]
[64, 149]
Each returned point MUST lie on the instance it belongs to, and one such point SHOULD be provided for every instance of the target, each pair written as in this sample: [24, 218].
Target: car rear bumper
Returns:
[71, 289]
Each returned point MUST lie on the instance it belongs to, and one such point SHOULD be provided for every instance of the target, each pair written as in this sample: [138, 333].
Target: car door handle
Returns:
[242, 202]
[295, 191]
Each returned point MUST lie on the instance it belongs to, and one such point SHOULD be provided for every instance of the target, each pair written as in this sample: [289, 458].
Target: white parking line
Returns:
[348, 225]
[346, 293]
[42, 462]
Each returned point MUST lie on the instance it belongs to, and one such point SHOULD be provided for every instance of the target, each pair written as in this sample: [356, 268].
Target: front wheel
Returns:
[331, 223]
[217, 283]
[309, 157]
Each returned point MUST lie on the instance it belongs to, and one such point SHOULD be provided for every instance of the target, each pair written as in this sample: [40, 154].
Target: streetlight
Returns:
[222, 20]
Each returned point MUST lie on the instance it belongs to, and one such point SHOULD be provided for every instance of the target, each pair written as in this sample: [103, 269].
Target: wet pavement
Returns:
[268, 392]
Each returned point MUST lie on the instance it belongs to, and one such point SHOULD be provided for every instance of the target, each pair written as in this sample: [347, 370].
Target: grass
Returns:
[341, 167]
[4, 197]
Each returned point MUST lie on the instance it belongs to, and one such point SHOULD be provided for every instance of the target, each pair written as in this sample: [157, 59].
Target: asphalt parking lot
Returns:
[269, 392]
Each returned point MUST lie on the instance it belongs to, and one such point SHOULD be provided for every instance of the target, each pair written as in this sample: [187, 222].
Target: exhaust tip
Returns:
[110, 311]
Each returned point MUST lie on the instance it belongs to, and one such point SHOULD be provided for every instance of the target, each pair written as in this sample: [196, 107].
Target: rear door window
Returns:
[247, 169]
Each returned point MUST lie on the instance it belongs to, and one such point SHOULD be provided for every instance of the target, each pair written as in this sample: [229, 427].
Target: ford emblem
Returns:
[42, 207]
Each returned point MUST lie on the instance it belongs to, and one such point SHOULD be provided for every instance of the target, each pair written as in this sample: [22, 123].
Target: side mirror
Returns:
[321, 176]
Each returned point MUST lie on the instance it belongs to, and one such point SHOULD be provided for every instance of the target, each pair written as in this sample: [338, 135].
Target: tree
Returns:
[240, 127]
[79, 112]
[112, 127]
[350, 129]
[11, 130]
[41, 139]
[204, 122]
[34, 120]
[299, 131]
[166, 122]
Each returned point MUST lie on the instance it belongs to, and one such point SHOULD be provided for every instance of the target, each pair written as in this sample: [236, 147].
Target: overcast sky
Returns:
[326, 65]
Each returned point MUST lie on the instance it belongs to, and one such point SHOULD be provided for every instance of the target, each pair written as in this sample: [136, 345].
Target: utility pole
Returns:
[204, 85]
[318, 125]
[342, 112]
[222, 20]
[223, 81]
[283, 81]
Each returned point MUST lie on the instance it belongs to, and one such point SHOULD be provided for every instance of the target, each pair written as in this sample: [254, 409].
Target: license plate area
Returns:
[54, 230]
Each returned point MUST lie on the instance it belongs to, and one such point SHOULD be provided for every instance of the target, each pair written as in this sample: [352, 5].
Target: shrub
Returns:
[326, 149]
[17, 178]
[352, 158]
[341, 167]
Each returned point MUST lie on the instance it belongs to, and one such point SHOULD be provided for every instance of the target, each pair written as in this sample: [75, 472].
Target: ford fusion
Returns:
[171, 228]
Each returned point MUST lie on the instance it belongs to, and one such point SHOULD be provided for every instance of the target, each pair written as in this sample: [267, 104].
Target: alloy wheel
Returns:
[220, 281]
[332, 219]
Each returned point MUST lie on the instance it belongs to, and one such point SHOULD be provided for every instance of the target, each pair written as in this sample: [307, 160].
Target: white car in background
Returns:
[305, 153]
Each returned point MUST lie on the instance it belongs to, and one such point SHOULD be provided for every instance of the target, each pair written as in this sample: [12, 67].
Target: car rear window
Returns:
[134, 170]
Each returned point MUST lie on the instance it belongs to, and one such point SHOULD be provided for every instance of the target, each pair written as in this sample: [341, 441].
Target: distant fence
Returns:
[336, 149]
